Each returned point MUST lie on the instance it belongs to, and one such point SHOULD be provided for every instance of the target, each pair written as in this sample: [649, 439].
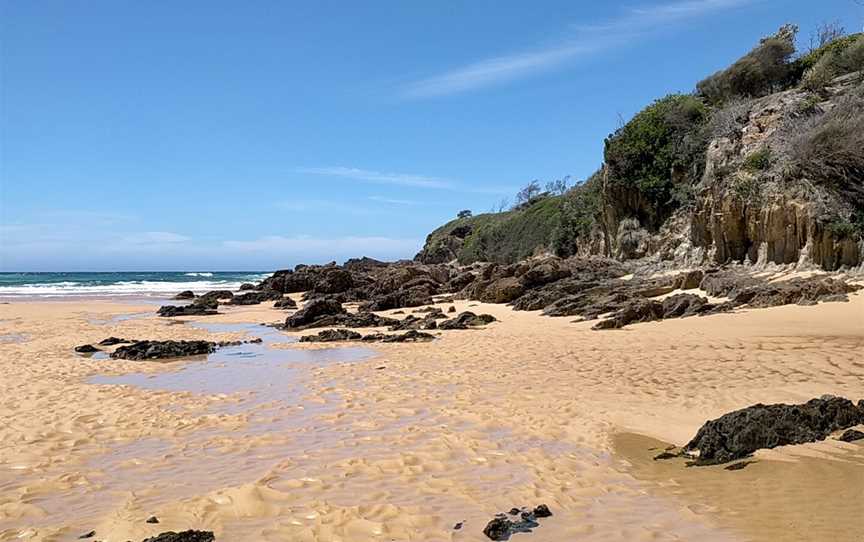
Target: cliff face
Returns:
[755, 199]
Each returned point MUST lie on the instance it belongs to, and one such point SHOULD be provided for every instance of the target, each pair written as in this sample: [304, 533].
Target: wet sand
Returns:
[405, 443]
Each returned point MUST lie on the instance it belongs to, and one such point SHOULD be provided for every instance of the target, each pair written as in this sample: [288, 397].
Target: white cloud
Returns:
[588, 39]
[404, 179]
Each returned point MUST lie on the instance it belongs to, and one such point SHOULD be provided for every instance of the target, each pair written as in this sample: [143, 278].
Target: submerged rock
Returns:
[185, 536]
[742, 432]
[332, 335]
[193, 309]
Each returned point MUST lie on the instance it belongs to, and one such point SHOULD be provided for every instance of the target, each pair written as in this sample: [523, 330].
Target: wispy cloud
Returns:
[586, 40]
[393, 201]
[155, 238]
[403, 179]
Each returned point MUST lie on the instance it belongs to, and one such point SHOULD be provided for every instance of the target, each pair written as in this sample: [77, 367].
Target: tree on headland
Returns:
[558, 186]
[527, 193]
[465, 213]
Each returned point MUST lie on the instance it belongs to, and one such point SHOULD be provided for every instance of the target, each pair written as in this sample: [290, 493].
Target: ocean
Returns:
[121, 284]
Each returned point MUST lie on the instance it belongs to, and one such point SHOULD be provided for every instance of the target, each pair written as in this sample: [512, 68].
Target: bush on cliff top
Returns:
[665, 138]
[767, 68]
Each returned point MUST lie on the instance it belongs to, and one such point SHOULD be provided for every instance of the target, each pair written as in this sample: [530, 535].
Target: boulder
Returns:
[742, 432]
[285, 303]
[689, 280]
[185, 294]
[503, 290]
[214, 296]
[333, 281]
[86, 349]
[255, 297]
[246, 286]
[312, 311]
[466, 320]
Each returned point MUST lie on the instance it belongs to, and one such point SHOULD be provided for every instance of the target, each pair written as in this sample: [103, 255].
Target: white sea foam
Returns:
[123, 288]
[198, 274]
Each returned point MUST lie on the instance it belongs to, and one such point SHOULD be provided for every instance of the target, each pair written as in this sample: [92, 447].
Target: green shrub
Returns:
[579, 214]
[666, 136]
[758, 160]
[841, 56]
[765, 69]
[747, 189]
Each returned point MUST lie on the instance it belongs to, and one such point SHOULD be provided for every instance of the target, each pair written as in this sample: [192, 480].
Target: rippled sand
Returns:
[405, 444]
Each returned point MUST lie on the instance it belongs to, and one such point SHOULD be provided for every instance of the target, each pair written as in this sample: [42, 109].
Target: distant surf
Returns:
[111, 284]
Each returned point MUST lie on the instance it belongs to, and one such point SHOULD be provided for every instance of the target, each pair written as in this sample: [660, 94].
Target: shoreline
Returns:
[522, 412]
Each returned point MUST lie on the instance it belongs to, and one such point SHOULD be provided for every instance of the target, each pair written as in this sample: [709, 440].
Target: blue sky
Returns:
[255, 135]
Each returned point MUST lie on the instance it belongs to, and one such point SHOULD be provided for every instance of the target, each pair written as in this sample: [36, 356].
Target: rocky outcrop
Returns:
[185, 294]
[255, 297]
[193, 309]
[742, 432]
[344, 335]
[285, 304]
[111, 341]
[332, 335]
[466, 320]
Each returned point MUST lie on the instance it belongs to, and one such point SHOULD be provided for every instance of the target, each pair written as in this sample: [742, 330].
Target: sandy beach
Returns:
[409, 441]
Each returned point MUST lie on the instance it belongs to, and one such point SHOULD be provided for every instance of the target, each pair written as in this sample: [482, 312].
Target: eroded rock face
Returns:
[742, 432]
[184, 536]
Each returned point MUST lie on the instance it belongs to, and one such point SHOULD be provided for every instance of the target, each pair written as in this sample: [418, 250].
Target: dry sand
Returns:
[407, 443]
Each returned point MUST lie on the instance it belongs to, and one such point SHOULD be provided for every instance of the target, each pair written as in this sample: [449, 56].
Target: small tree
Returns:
[501, 206]
[825, 33]
[558, 186]
[528, 192]
[465, 213]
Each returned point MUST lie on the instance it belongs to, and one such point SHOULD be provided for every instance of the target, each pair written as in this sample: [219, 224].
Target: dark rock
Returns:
[86, 349]
[408, 336]
[194, 309]
[152, 519]
[142, 350]
[742, 432]
[498, 529]
[466, 320]
[355, 320]
[333, 281]
[246, 286]
[680, 305]
[542, 511]
[185, 536]
[636, 311]
[285, 303]
[312, 311]
[255, 297]
[689, 280]
[458, 526]
[91, 534]
[451, 309]
[738, 466]
[790, 292]
[503, 290]
[665, 455]
[111, 341]
[214, 296]
[185, 294]
[331, 335]
[851, 435]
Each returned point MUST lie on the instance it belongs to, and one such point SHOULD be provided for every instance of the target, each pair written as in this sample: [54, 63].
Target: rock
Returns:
[185, 294]
[86, 349]
[680, 305]
[214, 296]
[332, 335]
[312, 311]
[246, 286]
[465, 320]
[498, 529]
[333, 281]
[542, 511]
[255, 297]
[285, 304]
[194, 309]
[851, 435]
[355, 320]
[503, 290]
[90, 534]
[451, 309]
[185, 536]
[790, 292]
[742, 432]
[543, 272]
[408, 336]
[152, 519]
[143, 350]
[636, 311]
[111, 341]
[689, 280]
[738, 466]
